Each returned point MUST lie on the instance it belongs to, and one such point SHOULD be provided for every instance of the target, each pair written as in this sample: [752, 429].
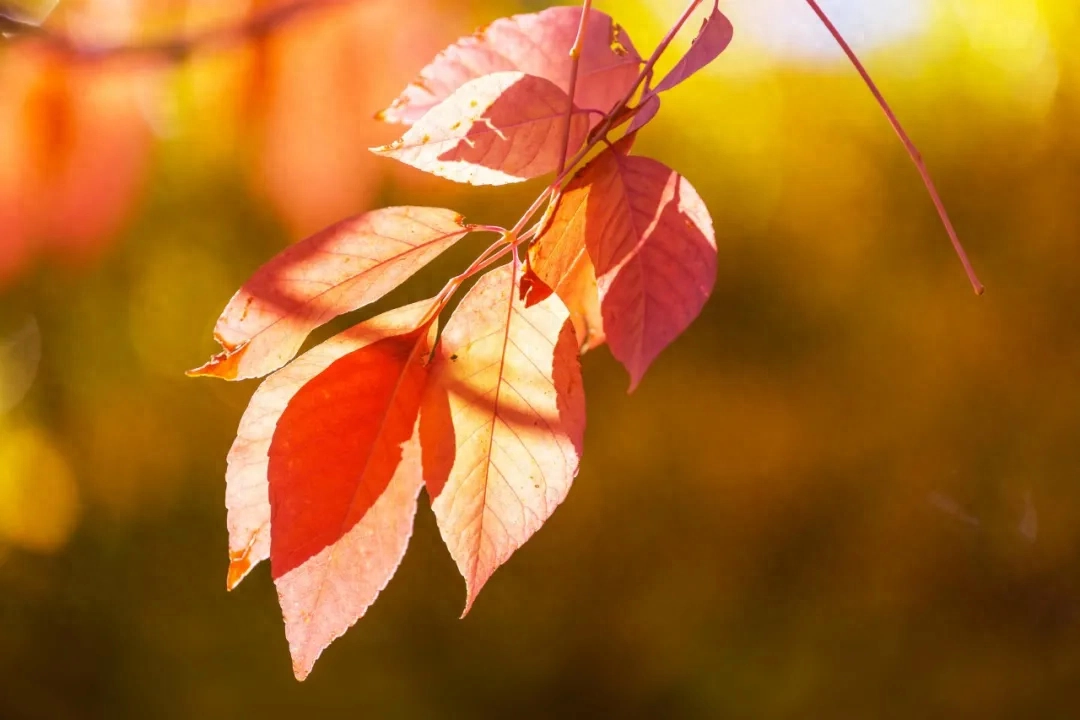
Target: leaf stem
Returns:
[565, 168]
[913, 152]
[646, 71]
[575, 64]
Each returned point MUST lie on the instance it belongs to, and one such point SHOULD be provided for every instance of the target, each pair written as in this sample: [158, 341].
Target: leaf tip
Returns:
[224, 365]
[301, 670]
[239, 567]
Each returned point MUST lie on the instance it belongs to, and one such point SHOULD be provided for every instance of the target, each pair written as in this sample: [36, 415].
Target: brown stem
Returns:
[176, 48]
[912, 151]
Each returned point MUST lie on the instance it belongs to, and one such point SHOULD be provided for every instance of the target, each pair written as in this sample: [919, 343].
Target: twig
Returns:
[912, 151]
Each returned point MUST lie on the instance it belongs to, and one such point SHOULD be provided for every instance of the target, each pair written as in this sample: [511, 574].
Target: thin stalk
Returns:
[912, 151]
[575, 63]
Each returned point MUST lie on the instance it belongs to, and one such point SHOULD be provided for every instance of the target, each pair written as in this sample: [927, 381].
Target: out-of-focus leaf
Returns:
[342, 268]
[536, 44]
[497, 129]
[75, 146]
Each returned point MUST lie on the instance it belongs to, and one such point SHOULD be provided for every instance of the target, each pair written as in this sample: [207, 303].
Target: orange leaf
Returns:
[560, 261]
[651, 240]
[506, 392]
[497, 129]
[247, 494]
[345, 267]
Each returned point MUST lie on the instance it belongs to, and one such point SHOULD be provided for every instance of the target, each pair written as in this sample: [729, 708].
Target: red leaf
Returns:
[560, 261]
[651, 240]
[325, 596]
[247, 493]
[508, 398]
[497, 129]
[713, 38]
[537, 44]
[342, 489]
[342, 268]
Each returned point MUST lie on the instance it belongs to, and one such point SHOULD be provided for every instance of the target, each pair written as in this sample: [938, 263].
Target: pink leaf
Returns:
[713, 38]
[342, 268]
[497, 129]
[247, 494]
[512, 420]
[537, 44]
[651, 241]
[649, 107]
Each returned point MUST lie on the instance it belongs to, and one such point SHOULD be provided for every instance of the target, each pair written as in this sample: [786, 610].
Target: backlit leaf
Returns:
[713, 38]
[651, 241]
[559, 259]
[247, 486]
[536, 44]
[508, 397]
[649, 108]
[341, 269]
[337, 535]
[498, 129]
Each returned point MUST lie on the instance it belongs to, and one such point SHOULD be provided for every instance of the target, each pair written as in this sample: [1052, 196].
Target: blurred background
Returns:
[849, 490]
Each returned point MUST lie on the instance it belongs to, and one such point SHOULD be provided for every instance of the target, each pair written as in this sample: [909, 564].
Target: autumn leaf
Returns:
[341, 269]
[506, 391]
[536, 44]
[247, 494]
[558, 258]
[713, 38]
[305, 95]
[75, 147]
[340, 479]
[498, 129]
[337, 537]
[651, 240]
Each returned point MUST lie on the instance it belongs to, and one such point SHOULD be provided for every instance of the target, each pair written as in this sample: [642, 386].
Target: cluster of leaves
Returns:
[489, 413]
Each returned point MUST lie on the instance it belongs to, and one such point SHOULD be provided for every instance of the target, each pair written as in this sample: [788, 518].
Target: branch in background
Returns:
[175, 48]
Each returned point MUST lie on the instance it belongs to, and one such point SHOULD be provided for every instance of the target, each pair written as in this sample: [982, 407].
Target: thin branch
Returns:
[912, 151]
[603, 128]
[176, 48]
[575, 63]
